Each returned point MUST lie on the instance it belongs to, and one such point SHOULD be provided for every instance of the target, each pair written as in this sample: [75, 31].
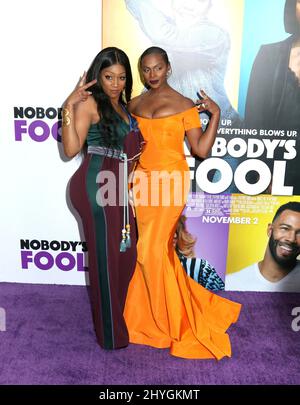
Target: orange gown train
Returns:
[164, 307]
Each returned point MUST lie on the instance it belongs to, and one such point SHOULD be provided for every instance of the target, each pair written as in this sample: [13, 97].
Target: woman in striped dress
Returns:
[95, 116]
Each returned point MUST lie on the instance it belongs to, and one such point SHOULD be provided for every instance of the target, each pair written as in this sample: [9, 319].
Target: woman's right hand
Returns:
[207, 104]
[80, 93]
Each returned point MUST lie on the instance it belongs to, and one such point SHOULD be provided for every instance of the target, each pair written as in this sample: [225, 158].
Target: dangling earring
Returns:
[169, 72]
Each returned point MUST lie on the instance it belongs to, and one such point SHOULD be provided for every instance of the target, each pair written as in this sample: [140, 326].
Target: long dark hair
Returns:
[291, 24]
[105, 58]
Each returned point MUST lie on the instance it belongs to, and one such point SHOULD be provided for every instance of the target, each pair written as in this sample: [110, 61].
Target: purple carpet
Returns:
[49, 339]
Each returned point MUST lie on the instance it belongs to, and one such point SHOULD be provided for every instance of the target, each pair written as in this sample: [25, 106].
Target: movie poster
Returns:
[245, 54]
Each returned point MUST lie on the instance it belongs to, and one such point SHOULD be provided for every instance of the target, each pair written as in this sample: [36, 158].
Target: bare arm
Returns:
[131, 106]
[77, 118]
[202, 142]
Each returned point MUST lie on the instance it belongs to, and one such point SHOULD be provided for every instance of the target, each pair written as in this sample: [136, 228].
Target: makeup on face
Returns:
[113, 80]
[154, 69]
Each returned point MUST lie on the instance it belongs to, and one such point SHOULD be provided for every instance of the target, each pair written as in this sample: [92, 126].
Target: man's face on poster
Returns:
[284, 238]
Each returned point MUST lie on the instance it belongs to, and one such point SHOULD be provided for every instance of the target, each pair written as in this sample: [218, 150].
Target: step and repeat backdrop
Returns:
[245, 54]
[45, 47]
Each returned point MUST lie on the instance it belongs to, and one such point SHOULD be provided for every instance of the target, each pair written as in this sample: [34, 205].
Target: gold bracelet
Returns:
[66, 120]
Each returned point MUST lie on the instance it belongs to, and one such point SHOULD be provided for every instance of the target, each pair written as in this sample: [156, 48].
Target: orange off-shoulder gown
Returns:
[164, 307]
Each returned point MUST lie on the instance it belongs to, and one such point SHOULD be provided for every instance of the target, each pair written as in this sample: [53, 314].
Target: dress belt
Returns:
[122, 156]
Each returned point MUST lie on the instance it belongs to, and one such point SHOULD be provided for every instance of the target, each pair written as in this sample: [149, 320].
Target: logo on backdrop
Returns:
[47, 255]
[37, 123]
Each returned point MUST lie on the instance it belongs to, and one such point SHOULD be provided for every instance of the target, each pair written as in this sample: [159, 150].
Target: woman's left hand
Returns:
[207, 104]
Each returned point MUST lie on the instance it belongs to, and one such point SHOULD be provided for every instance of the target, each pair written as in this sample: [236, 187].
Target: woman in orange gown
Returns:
[164, 307]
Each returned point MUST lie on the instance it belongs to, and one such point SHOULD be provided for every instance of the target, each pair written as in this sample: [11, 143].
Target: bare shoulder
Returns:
[182, 103]
[133, 103]
[187, 103]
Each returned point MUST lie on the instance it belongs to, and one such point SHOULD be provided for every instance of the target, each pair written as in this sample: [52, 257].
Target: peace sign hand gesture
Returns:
[80, 93]
[207, 104]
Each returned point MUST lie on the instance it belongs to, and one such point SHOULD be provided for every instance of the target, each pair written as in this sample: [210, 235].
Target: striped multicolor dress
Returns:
[97, 193]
